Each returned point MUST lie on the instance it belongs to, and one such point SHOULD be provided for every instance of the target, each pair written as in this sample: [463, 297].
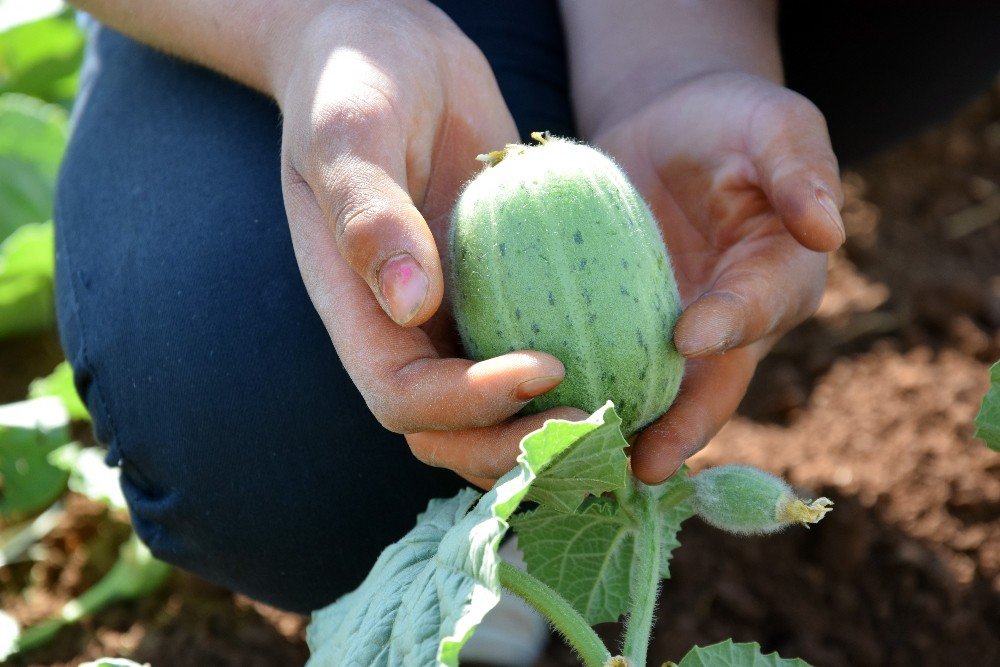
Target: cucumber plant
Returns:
[552, 249]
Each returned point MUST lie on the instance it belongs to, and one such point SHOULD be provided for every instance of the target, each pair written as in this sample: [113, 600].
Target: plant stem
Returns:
[646, 580]
[554, 607]
[676, 495]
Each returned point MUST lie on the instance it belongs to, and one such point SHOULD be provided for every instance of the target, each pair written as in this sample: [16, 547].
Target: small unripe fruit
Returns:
[746, 501]
[552, 249]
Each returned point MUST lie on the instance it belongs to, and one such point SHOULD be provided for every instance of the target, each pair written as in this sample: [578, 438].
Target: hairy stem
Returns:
[566, 620]
[646, 580]
[676, 495]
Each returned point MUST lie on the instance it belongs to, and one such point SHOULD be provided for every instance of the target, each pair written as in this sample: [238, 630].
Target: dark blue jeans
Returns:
[247, 455]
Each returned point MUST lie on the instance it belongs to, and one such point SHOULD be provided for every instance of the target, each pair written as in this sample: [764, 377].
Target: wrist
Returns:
[289, 42]
[596, 114]
[387, 35]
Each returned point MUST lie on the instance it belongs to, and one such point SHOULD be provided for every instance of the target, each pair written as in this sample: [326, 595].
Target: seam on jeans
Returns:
[84, 354]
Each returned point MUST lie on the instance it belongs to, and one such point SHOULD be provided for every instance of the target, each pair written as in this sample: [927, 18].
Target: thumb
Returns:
[385, 239]
[355, 164]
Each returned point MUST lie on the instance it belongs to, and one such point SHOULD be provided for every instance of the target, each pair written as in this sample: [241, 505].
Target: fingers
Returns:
[710, 393]
[398, 371]
[798, 171]
[482, 454]
[773, 285]
[379, 144]
[352, 153]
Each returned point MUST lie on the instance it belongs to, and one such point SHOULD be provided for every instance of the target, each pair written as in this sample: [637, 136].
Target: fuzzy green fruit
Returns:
[747, 501]
[553, 250]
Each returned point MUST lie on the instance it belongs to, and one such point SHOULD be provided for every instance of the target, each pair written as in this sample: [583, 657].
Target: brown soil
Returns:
[870, 403]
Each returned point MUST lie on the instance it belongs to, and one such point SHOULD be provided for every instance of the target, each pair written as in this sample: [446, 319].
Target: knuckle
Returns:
[356, 218]
[392, 405]
[360, 114]
[390, 421]
[794, 111]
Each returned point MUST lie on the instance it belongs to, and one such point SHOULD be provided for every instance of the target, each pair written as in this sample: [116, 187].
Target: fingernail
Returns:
[832, 212]
[531, 388]
[404, 287]
[701, 341]
[672, 471]
[701, 348]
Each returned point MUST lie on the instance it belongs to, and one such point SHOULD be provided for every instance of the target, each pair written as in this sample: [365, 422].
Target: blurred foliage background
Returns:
[41, 52]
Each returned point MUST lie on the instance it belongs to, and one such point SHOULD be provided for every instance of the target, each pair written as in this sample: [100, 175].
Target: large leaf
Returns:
[596, 463]
[42, 57]
[27, 262]
[589, 557]
[29, 432]
[427, 593]
[32, 140]
[730, 654]
[988, 420]
[33, 132]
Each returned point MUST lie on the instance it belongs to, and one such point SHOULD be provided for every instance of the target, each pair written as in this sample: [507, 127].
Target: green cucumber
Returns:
[744, 500]
[552, 249]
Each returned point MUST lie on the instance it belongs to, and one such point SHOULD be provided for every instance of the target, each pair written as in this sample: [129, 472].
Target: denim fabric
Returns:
[248, 456]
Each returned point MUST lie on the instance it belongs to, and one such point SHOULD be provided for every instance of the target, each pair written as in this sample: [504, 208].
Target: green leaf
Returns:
[589, 557]
[42, 58]
[59, 383]
[32, 141]
[29, 432]
[595, 464]
[988, 420]
[33, 131]
[27, 267]
[427, 593]
[730, 654]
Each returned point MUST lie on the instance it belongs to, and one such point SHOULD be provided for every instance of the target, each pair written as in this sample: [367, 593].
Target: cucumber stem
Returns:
[560, 613]
[645, 584]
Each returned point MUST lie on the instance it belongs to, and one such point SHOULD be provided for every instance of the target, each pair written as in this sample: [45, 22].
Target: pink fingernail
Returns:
[832, 212]
[404, 287]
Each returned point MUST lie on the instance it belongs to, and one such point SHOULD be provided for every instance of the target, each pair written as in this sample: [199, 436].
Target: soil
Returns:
[869, 403]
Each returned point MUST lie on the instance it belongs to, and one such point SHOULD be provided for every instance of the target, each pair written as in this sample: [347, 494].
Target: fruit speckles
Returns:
[564, 256]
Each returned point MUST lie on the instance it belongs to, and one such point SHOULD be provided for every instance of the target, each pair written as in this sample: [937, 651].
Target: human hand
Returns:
[386, 105]
[740, 173]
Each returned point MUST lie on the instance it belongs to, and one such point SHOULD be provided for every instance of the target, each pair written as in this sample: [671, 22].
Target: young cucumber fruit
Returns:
[552, 249]
[747, 501]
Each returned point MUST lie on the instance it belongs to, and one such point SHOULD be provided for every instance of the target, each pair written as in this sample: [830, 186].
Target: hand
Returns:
[386, 105]
[740, 174]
